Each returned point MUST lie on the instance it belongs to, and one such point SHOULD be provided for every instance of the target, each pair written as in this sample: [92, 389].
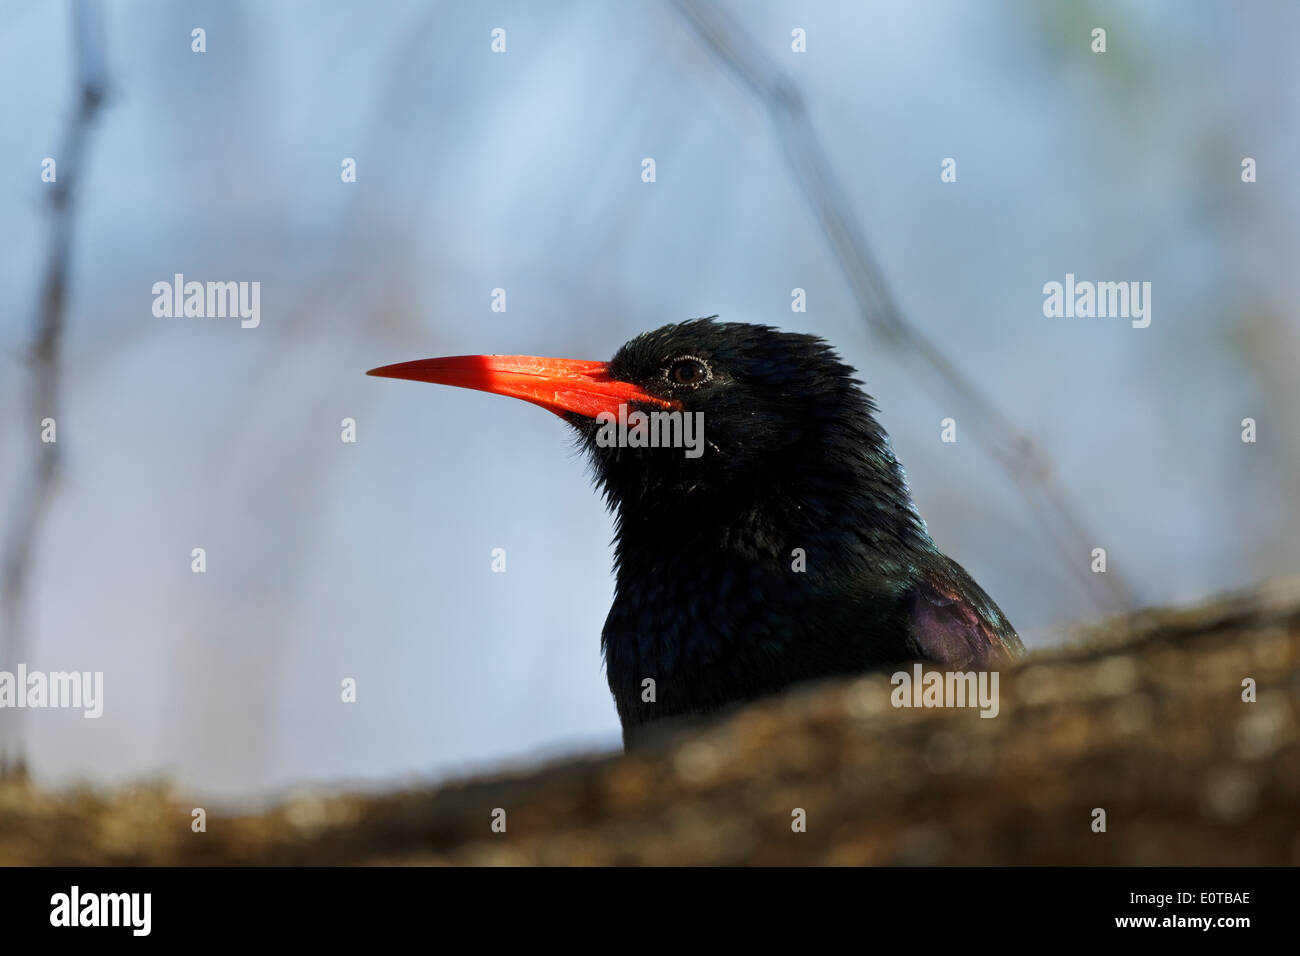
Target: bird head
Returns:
[767, 413]
[710, 598]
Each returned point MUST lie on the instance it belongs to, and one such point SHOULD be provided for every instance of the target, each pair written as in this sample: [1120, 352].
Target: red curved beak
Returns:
[562, 386]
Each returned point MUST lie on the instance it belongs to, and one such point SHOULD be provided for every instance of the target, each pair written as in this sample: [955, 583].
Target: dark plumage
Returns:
[707, 602]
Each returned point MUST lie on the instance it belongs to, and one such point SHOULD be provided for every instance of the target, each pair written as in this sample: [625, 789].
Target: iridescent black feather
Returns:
[709, 603]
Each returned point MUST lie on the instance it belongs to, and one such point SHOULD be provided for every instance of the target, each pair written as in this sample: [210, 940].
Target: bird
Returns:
[785, 548]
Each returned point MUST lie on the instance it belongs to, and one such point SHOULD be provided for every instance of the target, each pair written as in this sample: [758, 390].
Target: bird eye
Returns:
[688, 371]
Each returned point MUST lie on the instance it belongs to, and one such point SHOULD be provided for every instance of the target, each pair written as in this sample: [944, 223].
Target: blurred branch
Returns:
[36, 493]
[1017, 454]
[1142, 715]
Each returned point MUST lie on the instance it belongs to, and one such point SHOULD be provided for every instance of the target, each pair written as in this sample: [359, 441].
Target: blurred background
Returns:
[522, 171]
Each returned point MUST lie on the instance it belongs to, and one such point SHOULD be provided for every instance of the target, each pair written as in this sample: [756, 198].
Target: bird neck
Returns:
[726, 595]
[844, 509]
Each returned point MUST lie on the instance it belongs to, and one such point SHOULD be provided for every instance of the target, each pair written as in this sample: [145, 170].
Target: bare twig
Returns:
[37, 491]
[1011, 448]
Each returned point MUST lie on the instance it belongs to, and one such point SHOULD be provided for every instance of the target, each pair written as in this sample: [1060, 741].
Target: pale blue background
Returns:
[522, 170]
